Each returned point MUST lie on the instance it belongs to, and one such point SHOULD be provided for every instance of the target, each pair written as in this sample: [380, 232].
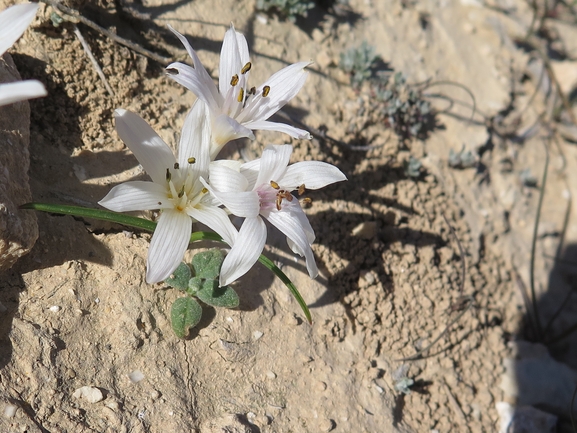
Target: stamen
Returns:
[168, 175]
[265, 91]
[278, 201]
[204, 190]
[191, 160]
[172, 71]
[274, 184]
[181, 193]
[301, 189]
[252, 91]
[240, 95]
[307, 201]
[288, 196]
[246, 68]
[160, 203]
[176, 165]
[234, 80]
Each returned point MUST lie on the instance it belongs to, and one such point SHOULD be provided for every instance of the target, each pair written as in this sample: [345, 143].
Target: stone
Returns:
[18, 228]
[89, 393]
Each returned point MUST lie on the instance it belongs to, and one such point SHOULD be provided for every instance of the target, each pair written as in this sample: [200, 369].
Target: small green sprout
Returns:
[359, 62]
[285, 9]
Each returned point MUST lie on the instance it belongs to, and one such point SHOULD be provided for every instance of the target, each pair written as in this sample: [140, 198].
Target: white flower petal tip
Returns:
[13, 23]
[21, 91]
[247, 106]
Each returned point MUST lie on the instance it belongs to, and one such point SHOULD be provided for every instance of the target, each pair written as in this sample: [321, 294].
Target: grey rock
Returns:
[18, 229]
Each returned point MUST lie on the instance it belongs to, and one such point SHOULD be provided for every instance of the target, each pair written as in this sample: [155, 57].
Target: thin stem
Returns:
[141, 223]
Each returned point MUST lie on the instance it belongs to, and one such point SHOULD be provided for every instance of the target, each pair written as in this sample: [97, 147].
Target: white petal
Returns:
[251, 170]
[230, 61]
[245, 251]
[203, 78]
[13, 22]
[284, 85]
[273, 163]
[230, 163]
[225, 129]
[189, 78]
[225, 179]
[242, 204]
[216, 219]
[136, 195]
[289, 224]
[20, 91]
[195, 140]
[265, 125]
[313, 174]
[151, 151]
[168, 244]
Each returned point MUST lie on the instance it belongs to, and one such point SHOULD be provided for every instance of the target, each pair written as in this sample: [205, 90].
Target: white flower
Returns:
[13, 22]
[176, 188]
[236, 108]
[262, 188]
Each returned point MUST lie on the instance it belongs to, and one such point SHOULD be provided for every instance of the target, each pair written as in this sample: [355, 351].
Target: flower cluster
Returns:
[194, 186]
[13, 22]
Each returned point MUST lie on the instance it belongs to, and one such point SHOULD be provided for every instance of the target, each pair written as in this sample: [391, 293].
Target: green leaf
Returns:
[184, 314]
[180, 277]
[207, 264]
[216, 296]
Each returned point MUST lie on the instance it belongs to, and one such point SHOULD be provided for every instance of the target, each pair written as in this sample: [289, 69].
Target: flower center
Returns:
[239, 93]
[183, 188]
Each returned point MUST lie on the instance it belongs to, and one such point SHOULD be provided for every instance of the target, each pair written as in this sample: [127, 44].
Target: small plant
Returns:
[413, 167]
[463, 159]
[359, 62]
[198, 280]
[403, 106]
[286, 9]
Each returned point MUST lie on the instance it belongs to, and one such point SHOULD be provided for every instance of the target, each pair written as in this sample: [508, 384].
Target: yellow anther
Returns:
[181, 193]
[302, 189]
[307, 201]
[204, 190]
[240, 95]
[252, 91]
[265, 91]
[176, 165]
[246, 68]
[234, 80]
[191, 160]
[274, 184]
[168, 175]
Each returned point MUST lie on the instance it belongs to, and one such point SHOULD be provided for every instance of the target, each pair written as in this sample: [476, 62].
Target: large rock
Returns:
[18, 229]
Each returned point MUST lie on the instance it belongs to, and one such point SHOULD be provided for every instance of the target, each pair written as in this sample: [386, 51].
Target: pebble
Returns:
[365, 230]
[89, 393]
[256, 335]
[55, 308]
[271, 374]
[136, 376]
[10, 410]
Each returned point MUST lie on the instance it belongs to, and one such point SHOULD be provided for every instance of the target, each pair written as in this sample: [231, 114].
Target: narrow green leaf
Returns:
[207, 263]
[144, 224]
[184, 314]
[216, 296]
[180, 277]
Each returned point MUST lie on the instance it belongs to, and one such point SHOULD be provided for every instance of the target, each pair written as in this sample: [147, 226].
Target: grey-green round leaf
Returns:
[184, 314]
[216, 296]
[207, 264]
[180, 277]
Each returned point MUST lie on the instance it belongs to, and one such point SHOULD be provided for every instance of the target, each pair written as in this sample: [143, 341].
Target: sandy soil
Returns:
[390, 266]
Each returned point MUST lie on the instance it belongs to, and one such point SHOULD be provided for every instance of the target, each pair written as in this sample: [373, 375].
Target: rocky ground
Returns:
[391, 310]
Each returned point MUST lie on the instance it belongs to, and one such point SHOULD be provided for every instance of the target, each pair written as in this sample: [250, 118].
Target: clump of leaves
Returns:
[413, 167]
[403, 106]
[463, 159]
[285, 9]
[198, 280]
[359, 62]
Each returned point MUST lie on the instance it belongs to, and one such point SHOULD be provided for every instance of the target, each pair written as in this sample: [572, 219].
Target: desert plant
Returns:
[285, 9]
[359, 62]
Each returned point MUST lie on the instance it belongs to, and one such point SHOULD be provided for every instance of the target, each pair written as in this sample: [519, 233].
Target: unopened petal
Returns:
[265, 125]
[151, 151]
[245, 252]
[136, 195]
[311, 174]
[169, 242]
[13, 22]
[20, 91]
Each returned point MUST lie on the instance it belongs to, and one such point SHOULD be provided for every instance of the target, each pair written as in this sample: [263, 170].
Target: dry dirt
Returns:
[77, 309]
